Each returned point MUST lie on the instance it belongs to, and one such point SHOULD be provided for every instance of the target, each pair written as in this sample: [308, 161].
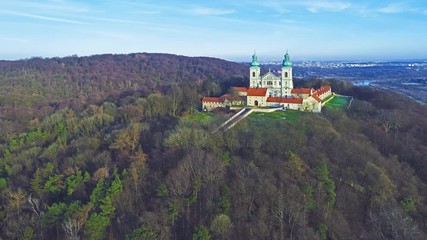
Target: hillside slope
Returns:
[33, 88]
[82, 76]
[141, 165]
[134, 168]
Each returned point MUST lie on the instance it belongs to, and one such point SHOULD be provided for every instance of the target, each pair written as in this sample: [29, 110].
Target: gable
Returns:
[270, 76]
[314, 98]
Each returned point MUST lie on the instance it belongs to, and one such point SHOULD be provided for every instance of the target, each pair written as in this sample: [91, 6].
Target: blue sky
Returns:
[309, 29]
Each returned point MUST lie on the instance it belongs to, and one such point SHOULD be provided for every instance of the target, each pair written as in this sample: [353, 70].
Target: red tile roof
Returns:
[301, 90]
[221, 99]
[285, 100]
[212, 99]
[316, 97]
[323, 89]
[240, 89]
[226, 96]
[257, 92]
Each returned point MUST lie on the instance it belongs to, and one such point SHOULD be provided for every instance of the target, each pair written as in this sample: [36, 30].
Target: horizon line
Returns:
[235, 59]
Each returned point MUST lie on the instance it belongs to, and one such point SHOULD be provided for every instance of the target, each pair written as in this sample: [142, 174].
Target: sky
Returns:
[232, 30]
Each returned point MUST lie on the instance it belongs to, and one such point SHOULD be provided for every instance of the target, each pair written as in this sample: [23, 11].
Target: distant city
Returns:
[406, 77]
[393, 70]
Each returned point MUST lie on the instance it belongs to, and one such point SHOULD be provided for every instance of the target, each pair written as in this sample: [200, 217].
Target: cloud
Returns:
[151, 25]
[396, 8]
[58, 6]
[330, 6]
[160, 27]
[211, 11]
[313, 6]
[277, 6]
[41, 17]
[393, 8]
[114, 20]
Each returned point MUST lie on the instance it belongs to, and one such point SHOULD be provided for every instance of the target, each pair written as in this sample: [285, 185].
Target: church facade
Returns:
[278, 83]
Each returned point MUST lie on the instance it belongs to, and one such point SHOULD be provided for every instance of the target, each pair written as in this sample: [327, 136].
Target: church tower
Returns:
[287, 83]
[255, 73]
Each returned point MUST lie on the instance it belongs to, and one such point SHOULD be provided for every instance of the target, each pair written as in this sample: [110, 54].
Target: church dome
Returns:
[286, 61]
[255, 62]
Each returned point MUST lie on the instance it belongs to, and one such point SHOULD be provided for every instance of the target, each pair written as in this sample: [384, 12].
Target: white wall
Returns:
[262, 101]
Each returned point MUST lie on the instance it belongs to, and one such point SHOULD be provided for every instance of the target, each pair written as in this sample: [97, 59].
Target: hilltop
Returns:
[100, 74]
[34, 88]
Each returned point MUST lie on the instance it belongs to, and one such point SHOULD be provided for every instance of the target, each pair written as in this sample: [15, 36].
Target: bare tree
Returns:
[288, 212]
[393, 223]
[176, 99]
[280, 215]
[35, 204]
[71, 228]
[389, 120]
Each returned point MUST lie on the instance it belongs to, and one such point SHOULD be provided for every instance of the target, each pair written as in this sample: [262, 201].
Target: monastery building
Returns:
[273, 89]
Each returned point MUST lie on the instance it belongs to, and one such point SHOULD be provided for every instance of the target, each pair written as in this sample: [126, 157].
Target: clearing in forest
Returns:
[289, 115]
[338, 102]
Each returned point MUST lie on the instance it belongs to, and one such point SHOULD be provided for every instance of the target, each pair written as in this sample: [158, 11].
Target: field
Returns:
[201, 117]
[289, 115]
[327, 98]
[338, 102]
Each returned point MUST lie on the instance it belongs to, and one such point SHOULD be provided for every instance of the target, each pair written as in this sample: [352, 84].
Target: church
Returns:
[274, 89]
[279, 84]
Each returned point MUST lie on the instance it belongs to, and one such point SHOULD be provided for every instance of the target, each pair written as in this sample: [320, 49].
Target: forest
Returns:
[113, 147]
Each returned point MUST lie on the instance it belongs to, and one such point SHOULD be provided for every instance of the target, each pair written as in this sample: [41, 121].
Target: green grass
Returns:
[338, 102]
[200, 117]
[327, 98]
[289, 115]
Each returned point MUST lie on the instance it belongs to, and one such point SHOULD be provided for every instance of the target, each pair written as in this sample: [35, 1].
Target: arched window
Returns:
[286, 74]
[269, 83]
[253, 74]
